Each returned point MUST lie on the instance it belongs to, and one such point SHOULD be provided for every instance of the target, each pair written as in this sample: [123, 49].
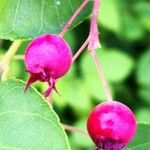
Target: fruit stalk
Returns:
[68, 24]
[74, 129]
[94, 34]
[94, 44]
[101, 75]
[80, 50]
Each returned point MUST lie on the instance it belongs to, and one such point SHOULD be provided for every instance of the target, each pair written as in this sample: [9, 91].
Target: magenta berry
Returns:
[111, 125]
[47, 58]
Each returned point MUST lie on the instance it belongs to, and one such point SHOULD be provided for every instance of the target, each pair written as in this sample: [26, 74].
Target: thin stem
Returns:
[101, 75]
[80, 50]
[12, 51]
[74, 129]
[94, 34]
[94, 44]
[68, 24]
[16, 57]
[5, 62]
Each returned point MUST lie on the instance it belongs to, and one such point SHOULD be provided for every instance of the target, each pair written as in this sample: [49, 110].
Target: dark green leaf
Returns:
[26, 19]
[144, 93]
[142, 138]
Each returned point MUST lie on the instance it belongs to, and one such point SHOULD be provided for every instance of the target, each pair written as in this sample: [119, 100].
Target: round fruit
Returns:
[47, 58]
[111, 125]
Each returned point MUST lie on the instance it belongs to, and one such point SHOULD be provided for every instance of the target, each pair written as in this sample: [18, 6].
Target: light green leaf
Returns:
[116, 64]
[142, 9]
[83, 141]
[26, 19]
[142, 138]
[131, 29]
[143, 70]
[73, 94]
[27, 121]
[142, 115]
[109, 15]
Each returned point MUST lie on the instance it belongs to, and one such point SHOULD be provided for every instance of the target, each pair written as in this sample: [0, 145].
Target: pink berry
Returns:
[111, 125]
[47, 58]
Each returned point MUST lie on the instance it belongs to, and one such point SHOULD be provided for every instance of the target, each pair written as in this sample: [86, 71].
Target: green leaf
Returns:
[131, 29]
[144, 93]
[26, 19]
[142, 115]
[142, 138]
[143, 71]
[83, 141]
[75, 95]
[141, 8]
[109, 15]
[27, 121]
[116, 64]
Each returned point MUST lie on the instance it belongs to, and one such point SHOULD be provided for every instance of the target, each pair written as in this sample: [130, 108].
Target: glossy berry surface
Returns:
[47, 58]
[111, 125]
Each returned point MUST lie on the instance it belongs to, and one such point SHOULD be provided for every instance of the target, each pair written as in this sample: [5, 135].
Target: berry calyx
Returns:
[47, 58]
[111, 125]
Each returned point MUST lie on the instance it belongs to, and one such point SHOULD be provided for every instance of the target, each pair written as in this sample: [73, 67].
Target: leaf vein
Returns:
[71, 6]
[15, 17]
[30, 114]
[15, 87]
[41, 18]
[57, 14]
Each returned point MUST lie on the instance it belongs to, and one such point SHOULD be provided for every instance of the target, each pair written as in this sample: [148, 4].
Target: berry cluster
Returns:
[111, 124]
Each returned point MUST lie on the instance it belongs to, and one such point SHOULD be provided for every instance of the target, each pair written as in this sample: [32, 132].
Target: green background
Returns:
[125, 56]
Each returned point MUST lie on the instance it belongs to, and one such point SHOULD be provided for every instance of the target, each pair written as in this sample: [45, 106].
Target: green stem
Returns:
[5, 61]
[16, 57]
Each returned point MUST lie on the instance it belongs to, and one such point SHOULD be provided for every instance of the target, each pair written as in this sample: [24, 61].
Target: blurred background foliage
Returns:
[124, 27]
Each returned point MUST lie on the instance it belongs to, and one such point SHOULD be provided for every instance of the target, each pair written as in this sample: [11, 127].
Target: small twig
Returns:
[94, 44]
[68, 24]
[101, 75]
[74, 129]
[5, 61]
[80, 50]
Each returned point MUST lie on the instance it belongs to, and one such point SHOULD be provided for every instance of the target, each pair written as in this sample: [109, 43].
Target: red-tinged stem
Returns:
[74, 129]
[80, 50]
[94, 44]
[102, 77]
[94, 34]
[68, 24]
